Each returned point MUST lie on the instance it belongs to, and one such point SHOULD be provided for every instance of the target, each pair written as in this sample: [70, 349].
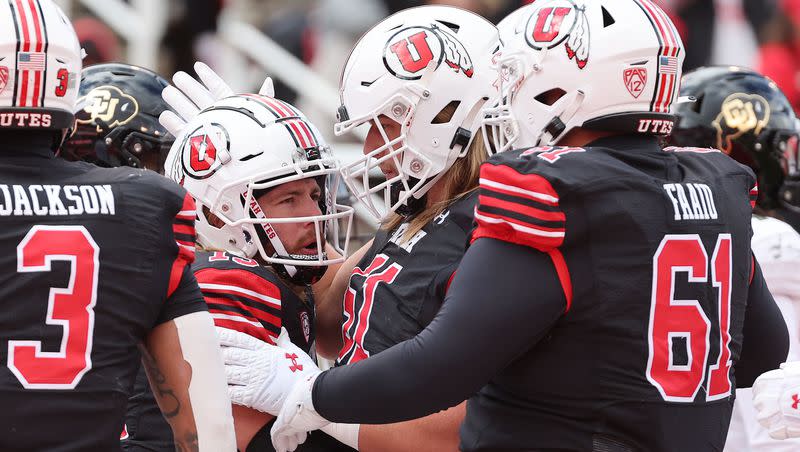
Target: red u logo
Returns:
[542, 34]
[403, 53]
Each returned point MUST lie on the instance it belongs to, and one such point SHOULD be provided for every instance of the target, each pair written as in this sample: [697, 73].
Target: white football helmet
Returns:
[40, 66]
[513, 24]
[612, 66]
[249, 143]
[409, 67]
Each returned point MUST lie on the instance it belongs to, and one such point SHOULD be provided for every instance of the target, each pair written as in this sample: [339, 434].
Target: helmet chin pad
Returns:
[412, 205]
[303, 275]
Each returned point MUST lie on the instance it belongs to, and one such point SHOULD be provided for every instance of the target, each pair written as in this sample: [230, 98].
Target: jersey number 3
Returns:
[685, 320]
[71, 308]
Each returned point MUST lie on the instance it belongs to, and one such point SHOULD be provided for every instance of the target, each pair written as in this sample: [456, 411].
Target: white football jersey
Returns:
[776, 245]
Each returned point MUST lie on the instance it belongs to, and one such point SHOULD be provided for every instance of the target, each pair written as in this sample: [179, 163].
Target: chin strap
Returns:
[412, 205]
[555, 129]
[265, 230]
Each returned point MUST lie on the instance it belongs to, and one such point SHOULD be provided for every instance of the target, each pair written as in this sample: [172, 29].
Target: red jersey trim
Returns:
[563, 275]
[186, 248]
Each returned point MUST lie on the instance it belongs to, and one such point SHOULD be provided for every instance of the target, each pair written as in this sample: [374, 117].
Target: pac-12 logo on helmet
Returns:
[108, 104]
[557, 21]
[635, 79]
[409, 51]
[740, 113]
[205, 150]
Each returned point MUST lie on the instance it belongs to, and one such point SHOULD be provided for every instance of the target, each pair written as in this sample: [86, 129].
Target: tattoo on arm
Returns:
[168, 401]
[187, 444]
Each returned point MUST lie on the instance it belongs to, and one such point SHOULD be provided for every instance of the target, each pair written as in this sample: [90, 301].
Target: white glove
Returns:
[189, 96]
[776, 397]
[261, 375]
[297, 417]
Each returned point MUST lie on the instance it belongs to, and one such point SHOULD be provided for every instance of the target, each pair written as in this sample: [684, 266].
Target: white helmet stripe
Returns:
[295, 125]
[31, 53]
[666, 78]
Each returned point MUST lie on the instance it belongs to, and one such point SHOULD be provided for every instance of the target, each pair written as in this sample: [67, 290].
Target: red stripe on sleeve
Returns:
[185, 253]
[183, 229]
[449, 281]
[530, 187]
[752, 268]
[252, 330]
[521, 208]
[563, 275]
[533, 186]
[229, 280]
[255, 314]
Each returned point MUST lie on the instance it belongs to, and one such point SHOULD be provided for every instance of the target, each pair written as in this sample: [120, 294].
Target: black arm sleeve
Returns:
[765, 341]
[502, 301]
[186, 299]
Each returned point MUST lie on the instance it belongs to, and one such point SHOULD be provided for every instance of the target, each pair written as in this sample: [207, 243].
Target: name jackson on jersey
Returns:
[56, 200]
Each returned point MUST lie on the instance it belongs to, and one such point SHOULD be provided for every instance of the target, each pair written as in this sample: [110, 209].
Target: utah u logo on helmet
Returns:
[412, 49]
[551, 25]
[205, 150]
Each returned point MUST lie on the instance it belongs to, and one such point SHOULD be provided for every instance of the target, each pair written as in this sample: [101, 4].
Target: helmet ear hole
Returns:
[445, 115]
[550, 96]
[212, 219]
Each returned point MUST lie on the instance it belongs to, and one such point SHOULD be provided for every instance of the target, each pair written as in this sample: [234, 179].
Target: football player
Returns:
[117, 118]
[746, 115]
[125, 132]
[264, 181]
[79, 300]
[423, 123]
[602, 302]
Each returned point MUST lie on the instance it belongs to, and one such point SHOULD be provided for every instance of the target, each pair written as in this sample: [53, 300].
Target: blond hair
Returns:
[458, 181]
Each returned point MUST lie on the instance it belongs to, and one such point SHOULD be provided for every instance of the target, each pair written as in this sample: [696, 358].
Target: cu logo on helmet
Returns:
[108, 104]
[558, 21]
[201, 150]
[740, 114]
[409, 51]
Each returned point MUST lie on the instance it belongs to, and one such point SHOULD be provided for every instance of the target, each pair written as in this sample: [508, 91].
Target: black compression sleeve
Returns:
[765, 341]
[503, 299]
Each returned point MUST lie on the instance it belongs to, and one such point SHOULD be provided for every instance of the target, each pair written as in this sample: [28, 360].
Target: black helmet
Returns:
[117, 118]
[746, 115]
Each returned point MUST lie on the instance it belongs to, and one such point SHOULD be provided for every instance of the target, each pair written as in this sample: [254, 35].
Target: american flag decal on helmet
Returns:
[31, 65]
[666, 85]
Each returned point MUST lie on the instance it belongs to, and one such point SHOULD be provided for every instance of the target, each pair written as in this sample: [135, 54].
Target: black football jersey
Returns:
[652, 248]
[241, 295]
[399, 285]
[91, 259]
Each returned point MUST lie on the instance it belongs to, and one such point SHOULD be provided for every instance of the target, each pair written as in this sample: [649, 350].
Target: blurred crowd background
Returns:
[761, 34]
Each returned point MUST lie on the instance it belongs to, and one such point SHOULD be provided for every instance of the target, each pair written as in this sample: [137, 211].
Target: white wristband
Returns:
[344, 433]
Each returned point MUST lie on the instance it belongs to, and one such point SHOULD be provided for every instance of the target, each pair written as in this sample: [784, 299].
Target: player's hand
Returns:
[189, 96]
[776, 396]
[297, 417]
[261, 375]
